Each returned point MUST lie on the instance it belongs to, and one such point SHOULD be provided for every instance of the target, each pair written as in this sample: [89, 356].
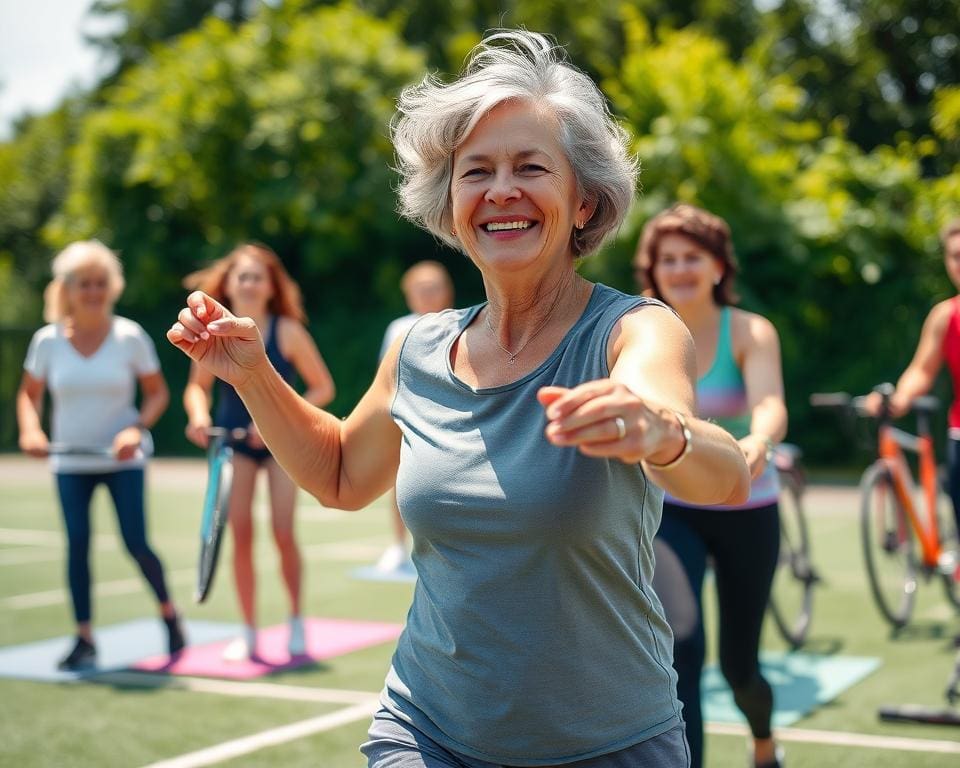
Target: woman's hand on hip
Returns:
[605, 419]
[227, 346]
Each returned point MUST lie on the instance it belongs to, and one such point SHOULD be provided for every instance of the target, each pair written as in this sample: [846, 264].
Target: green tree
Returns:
[142, 24]
[874, 63]
[276, 131]
[833, 242]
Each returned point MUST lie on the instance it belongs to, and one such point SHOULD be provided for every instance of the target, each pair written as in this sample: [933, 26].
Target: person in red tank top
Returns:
[939, 343]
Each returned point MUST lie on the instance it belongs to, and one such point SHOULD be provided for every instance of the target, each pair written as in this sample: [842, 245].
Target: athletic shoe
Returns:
[297, 641]
[778, 762]
[175, 639]
[83, 656]
[242, 648]
[393, 559]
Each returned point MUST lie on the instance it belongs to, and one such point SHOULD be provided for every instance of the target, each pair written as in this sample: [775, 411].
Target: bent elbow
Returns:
[741, 489]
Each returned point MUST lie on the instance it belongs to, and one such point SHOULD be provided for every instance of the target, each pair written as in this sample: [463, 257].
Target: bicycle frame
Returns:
[892, 443]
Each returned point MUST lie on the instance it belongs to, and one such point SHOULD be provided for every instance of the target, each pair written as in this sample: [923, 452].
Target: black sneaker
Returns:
[83, 656]
[175, 639]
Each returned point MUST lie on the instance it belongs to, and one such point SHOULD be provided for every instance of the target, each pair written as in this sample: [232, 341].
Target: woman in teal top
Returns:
[686, 259]
[533, 434]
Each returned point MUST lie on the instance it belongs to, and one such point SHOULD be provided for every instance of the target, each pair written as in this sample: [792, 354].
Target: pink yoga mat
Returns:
[326, 638]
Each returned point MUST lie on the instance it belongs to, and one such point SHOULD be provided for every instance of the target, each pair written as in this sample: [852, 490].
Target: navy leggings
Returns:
[743, 545]
[126, 488]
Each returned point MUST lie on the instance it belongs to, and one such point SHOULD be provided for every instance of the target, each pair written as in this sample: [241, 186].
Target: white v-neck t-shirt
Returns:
[93, 397]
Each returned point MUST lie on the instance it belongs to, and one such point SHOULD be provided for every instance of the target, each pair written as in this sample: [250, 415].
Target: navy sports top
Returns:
[231, 412]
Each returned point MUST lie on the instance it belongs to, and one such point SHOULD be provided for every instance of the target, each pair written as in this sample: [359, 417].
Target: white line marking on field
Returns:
[843, 739]
[271, 737]
[41, 538]
[233, 688]
[21, 556]
[103, 589]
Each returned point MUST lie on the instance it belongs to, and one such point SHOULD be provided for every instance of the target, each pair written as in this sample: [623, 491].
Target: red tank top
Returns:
[951, 354]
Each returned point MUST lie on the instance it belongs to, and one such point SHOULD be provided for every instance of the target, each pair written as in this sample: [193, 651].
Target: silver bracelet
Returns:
[687, 446]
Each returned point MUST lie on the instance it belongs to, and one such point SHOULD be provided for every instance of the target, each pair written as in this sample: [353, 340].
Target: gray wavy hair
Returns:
[434, 118]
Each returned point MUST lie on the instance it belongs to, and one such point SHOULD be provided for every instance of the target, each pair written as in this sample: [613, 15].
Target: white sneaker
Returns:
[242, 648]
[392, 559]
[297, 641]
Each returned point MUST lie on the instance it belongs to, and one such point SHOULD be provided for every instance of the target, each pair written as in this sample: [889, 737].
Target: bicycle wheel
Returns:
[791, 594]
[949, 554]
[888, 546]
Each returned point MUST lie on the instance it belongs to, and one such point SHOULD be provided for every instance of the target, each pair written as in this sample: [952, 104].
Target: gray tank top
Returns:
[534, 637]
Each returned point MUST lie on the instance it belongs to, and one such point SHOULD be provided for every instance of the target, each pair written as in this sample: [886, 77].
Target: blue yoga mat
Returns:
[118, 647]
[405, 573]
[801, 682]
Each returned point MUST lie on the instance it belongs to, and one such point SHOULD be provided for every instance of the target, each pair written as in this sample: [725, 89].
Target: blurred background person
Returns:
[686, 259]
[252, 281]
[92, 361]
[939, 343]
[426, 287]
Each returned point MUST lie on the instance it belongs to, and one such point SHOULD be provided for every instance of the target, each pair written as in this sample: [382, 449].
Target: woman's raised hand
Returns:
[227, 346]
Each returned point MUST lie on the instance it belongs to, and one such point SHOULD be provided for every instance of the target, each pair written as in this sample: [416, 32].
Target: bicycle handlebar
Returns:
[842, 400]
[233, 434]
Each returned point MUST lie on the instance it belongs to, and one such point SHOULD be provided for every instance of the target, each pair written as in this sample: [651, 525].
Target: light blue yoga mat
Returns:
[405, 573]
[118, 647]
[801, 682]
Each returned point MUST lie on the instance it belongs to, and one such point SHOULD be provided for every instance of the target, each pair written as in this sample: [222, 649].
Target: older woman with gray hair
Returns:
[530, 436]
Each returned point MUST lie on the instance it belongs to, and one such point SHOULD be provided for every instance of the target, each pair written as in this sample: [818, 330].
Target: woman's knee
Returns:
[285, 538]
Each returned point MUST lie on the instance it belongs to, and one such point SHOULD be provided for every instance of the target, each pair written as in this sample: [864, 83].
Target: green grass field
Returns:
[124, 724]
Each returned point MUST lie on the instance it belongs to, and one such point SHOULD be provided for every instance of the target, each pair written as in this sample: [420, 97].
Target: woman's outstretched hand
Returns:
[227, 346]
[604, 419]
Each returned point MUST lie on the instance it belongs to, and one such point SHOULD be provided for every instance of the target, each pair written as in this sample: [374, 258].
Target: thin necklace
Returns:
[512, 356]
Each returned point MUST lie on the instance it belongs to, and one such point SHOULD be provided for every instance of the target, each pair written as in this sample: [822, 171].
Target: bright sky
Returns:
[42, 55]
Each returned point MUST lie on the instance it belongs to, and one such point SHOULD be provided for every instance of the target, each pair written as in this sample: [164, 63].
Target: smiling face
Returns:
[249, 285]
[88, 292]
[514, 195]
[684, 271]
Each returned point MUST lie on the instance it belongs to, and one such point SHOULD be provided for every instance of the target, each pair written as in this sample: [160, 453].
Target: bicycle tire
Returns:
[214, 518]
[791, 593]
[888, 547]
[950, 547]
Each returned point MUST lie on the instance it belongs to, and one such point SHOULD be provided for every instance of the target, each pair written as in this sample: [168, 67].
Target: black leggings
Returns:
[126, 488]
[743, 545]
[953, 467]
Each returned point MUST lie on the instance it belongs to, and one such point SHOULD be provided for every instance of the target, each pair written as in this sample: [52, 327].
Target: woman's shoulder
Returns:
[124, 328]
[47, 333]
[942, 311]
[751, 331]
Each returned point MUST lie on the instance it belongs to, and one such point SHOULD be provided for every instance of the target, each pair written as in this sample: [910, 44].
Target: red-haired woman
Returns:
[686, 259]
[252, 281]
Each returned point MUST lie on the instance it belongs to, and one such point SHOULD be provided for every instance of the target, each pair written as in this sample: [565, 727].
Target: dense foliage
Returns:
[833, 156]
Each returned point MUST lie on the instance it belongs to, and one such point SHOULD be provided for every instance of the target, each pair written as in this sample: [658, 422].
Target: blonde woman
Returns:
[92, 362]
[252, 281]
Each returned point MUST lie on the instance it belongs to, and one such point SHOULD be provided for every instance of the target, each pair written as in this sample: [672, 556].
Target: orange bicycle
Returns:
[894, 517]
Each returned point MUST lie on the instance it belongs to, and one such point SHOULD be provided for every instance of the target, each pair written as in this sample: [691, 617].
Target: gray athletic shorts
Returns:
[395, 744]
